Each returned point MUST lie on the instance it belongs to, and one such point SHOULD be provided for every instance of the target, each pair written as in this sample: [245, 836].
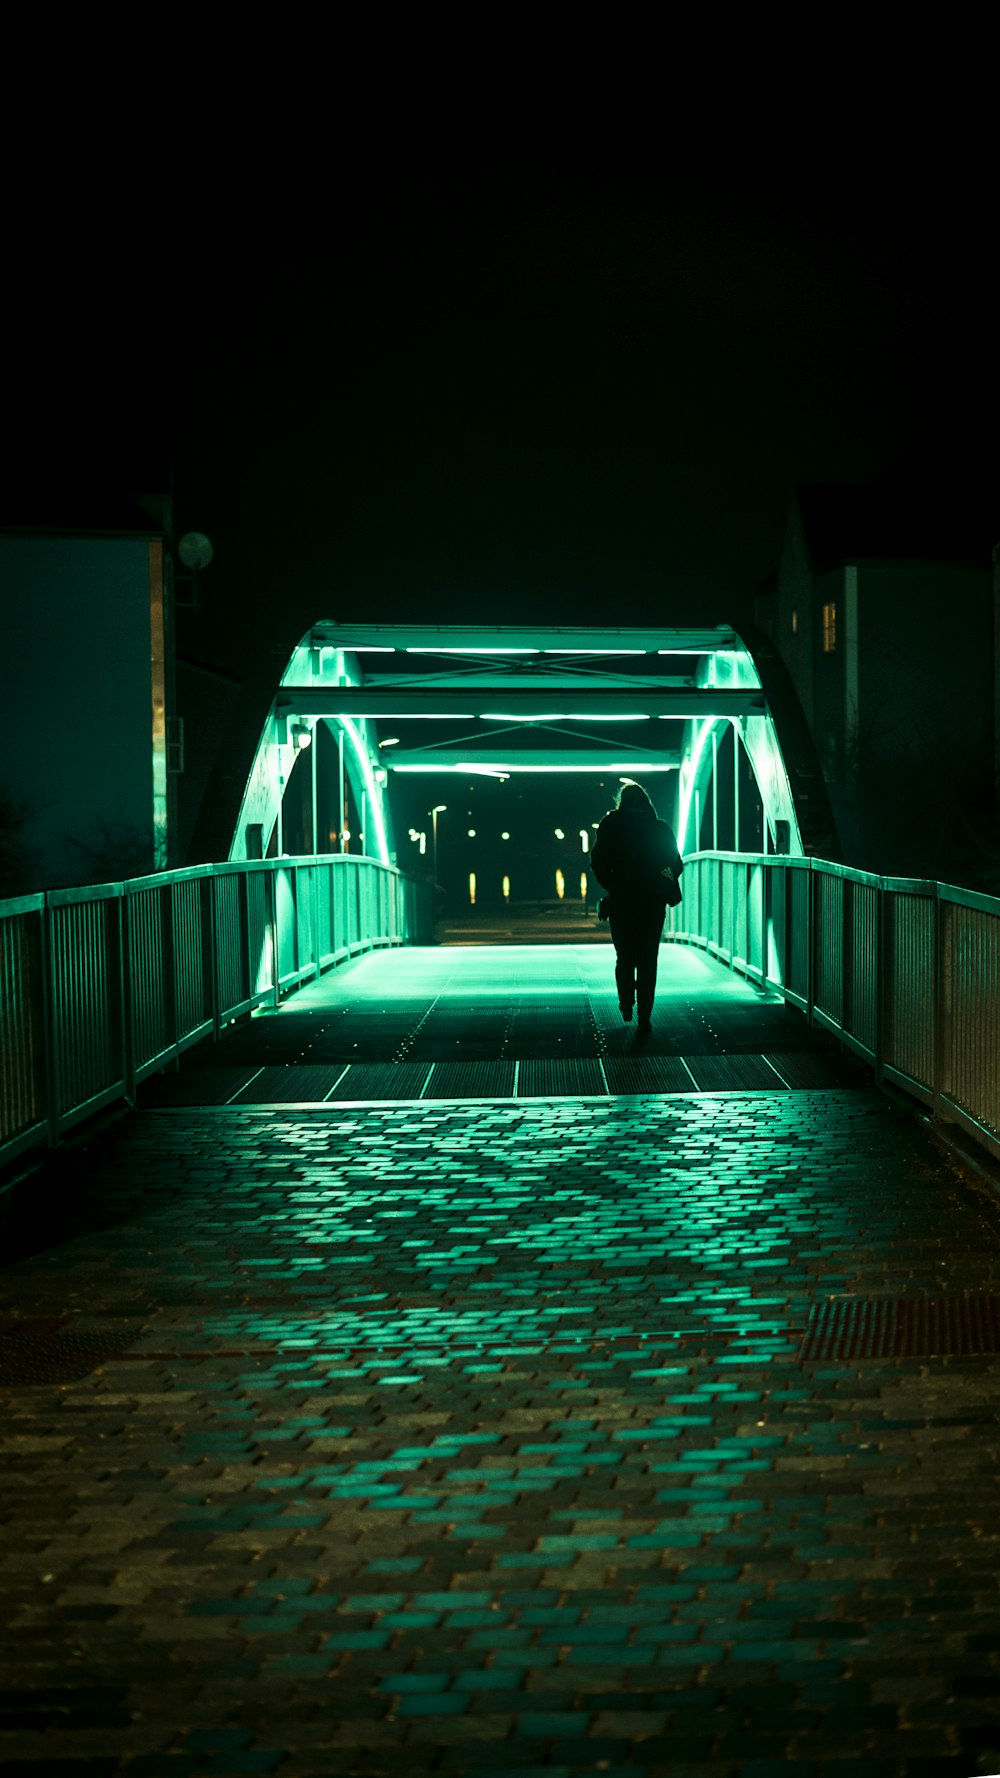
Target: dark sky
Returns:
[502, 389]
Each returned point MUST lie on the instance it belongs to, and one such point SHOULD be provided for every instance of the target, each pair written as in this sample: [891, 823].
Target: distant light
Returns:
[559, 833]
[301, 735]
[390, 741]
[505, 836]
[370, 648]
[506, 888]
[583, 885]
[472, 888]
[560, 885]
[584, 840]
[472, 833]
[439, 808]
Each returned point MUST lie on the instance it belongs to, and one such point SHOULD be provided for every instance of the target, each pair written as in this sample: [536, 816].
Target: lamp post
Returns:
[438, 809]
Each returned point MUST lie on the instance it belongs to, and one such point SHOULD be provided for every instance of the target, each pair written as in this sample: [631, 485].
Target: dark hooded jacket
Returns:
[628, 858]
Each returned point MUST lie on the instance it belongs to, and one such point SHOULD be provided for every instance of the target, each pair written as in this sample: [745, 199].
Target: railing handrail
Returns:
[905, 970]
[103, 984]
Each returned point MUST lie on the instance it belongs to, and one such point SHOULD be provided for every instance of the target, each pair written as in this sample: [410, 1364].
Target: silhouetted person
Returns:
[635, 858]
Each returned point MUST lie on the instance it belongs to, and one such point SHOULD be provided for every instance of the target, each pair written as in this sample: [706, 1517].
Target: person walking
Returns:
[635, 858]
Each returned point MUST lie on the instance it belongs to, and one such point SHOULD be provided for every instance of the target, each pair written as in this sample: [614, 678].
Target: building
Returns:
[883, 607]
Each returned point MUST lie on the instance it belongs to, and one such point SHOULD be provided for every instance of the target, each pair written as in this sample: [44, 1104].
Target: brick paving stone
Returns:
[428, 1451]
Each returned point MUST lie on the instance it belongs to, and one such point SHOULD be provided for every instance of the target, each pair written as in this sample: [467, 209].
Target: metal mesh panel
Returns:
[191, 994]
[285, 888]
[910, 1037]
[260, 964]
[230, 955]
[324, 910]
[973, 1031]
[829, 946]
[798, 949]
[861, 966]
[22, 1023]
[777, 884]
[87, 1034]
[150, 1032]
[305, 893]
[723, 933]
[755, 917]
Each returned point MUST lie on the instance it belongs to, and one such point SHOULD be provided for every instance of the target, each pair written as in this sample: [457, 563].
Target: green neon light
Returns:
[374, 795]
[433, 648]
[688, 781]
[560, 716]
[640, 766]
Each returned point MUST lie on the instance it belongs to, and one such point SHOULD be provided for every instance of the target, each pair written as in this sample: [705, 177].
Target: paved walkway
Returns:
[498, 1437]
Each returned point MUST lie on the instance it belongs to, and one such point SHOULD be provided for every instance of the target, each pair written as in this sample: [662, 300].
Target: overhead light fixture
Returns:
[390, 741]
[641, 766]
[559, 716]
[432, 648]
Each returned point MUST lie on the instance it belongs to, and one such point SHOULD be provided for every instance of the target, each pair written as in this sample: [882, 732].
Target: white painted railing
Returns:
[100, 987]
[905, 971]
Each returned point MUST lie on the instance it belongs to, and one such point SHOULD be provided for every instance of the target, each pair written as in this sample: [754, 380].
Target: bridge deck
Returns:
[504, 1437]
[522, 1021]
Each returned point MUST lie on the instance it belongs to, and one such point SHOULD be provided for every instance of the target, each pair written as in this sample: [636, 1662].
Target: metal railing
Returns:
[906, 972]
[100, 987]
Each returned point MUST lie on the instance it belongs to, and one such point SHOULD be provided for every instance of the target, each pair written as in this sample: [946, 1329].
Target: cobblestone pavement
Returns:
[477, 1438]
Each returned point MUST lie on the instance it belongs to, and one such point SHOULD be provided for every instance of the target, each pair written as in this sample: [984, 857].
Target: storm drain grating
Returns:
[472, 1080]
[49, 1349]
[647, 1074]
[903, 1327]
[566, 1076]
[290, 1084]
[382, 1080]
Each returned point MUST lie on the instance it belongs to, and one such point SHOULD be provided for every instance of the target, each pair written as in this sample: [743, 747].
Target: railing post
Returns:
[122, 947]
[53, 1084]
[881, 974]
[943, 931]
[275, 937]
[167, 892]
[209, 960]
[811, 924]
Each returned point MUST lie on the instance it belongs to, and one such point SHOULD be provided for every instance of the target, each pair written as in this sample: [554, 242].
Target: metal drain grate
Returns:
[49, 1349]
[903, 1327]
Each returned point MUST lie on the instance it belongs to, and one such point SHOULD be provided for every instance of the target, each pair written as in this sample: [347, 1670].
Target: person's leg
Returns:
[625, 965]
[647, 956]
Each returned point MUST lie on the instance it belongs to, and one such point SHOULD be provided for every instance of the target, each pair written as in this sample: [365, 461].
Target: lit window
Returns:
[829, 628]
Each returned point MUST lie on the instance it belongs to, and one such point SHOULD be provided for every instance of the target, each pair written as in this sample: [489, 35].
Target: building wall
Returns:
[925, 731]
[793, 612]
[76, 697]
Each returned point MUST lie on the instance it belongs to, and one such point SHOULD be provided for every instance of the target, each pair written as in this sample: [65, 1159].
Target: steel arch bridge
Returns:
[537, 699]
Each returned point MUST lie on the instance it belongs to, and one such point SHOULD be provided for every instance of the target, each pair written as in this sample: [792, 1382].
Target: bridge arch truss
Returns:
[649, 704]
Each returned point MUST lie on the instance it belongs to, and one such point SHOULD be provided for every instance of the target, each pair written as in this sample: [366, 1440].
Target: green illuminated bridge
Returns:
[407, 1368]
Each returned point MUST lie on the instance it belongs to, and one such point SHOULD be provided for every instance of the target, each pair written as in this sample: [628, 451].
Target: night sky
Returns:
[508, 387]
[497, 388]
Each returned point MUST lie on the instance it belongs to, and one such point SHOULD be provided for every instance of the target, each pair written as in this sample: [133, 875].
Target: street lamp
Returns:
[438, 809]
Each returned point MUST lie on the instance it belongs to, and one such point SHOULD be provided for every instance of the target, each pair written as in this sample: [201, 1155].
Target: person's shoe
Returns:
[626, 1013]
[643, 1028]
